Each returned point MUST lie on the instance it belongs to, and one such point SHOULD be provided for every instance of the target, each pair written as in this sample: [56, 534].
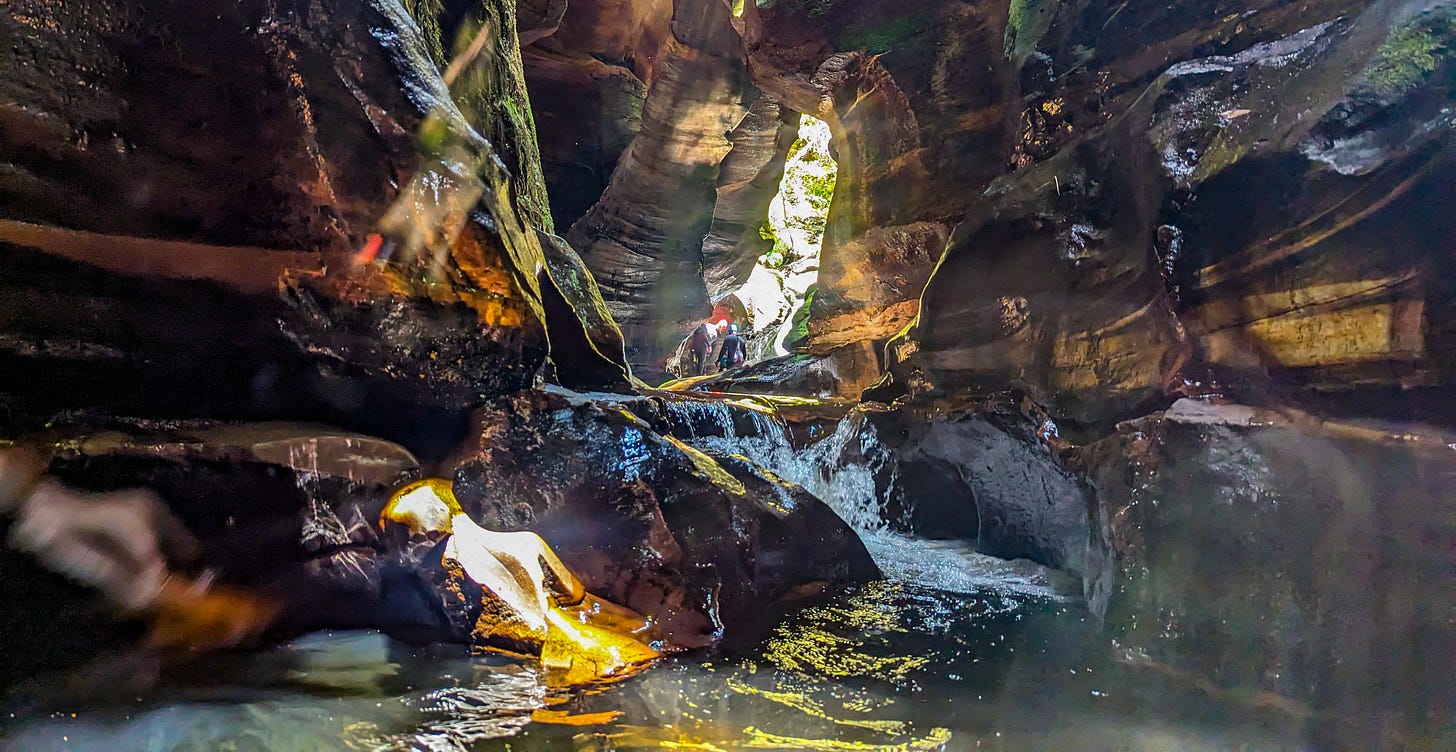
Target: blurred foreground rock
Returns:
[1275, 552]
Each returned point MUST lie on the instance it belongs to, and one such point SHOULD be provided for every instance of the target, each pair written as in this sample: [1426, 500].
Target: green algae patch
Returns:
[884, 36]
[1412, 52]
[1027, 22]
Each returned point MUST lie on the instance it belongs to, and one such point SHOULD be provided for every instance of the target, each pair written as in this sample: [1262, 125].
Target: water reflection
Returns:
[956, 651]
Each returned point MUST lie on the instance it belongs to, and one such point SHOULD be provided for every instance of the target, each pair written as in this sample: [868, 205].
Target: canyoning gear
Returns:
[734, 351]
[732, 328]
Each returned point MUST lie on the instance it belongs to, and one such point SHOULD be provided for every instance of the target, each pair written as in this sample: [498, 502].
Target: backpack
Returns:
[734, 350]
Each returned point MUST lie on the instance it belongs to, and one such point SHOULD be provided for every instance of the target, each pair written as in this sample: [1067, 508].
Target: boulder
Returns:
[844, 372]
[167, 189]
[1270, 552]
[699, 545]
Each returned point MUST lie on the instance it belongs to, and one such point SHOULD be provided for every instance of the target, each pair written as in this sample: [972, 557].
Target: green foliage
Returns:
[799, 330]
[427, 14]
[1412, 52]
[883, 37]
[1027, 21]
[820, 189]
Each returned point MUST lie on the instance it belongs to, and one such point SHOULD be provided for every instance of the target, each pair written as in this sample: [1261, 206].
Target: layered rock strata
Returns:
[220, 193]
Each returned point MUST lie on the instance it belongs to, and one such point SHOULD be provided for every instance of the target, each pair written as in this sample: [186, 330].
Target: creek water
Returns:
[950, 650]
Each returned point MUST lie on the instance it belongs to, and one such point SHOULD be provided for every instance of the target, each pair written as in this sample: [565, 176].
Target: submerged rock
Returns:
[1269, 552]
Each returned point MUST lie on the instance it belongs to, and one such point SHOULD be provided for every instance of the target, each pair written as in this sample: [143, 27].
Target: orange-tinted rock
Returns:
[265, 145]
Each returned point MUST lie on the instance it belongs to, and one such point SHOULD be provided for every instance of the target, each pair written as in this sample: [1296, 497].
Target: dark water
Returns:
[952, 651]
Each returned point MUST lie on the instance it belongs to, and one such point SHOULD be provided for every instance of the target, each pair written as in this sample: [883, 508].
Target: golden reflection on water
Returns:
[826, 653]
[803, 703]
[807, 660]
[756, 739]
[826, 643]
[643, 737]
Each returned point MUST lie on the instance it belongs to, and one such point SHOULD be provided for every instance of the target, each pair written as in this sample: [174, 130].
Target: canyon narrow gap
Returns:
[715, 374]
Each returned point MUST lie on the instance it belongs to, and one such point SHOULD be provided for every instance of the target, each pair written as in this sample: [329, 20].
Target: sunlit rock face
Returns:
[1126, 197]
[703, 546]
[516, 595]
[1279, 553]
[748, 180]
[644, 238]
[1232, 200]
[264, 144]
[916, 98]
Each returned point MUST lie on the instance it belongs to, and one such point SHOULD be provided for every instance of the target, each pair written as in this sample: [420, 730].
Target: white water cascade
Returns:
[858, 477]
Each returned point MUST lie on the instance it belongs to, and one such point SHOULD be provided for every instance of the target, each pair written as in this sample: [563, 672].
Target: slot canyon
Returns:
[367, 374]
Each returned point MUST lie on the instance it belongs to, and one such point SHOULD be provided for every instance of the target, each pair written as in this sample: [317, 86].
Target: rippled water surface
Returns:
[952, 650]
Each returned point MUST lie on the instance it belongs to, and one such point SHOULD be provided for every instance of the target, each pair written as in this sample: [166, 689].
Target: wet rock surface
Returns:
[246, 197]
[987, 468]
[843, 372]
[1187, 227]
[984, 472]
[1278, 553]
[286, 509]
[699, 545]
[707, 547]
[1080, 165]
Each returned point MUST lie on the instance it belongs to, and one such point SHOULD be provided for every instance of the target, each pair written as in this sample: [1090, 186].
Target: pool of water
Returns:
[952, 650]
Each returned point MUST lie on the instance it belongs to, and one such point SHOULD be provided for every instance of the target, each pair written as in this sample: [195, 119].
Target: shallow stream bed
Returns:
[953, 650]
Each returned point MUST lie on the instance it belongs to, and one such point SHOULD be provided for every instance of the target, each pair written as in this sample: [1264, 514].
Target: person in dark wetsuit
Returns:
[734, 351]
[700, 343]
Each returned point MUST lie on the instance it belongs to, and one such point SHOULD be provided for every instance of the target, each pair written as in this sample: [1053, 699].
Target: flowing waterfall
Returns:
[858, 477]
[850, 470]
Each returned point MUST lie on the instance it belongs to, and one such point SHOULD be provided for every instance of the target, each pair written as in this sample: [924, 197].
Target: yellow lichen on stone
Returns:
[709, 468]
